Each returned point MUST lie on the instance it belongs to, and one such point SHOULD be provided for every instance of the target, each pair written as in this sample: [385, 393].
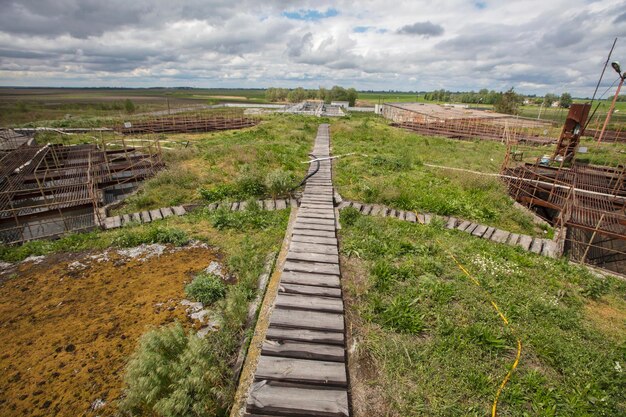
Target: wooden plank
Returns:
[166, 212]
[234, 206]
[313, 248]
[479, 230]
[314, 239]
[376, 209]
[489, 232]
[550, 248]
[451, 223]
[179, 210]
[313, 257]
[309, 290]
[366, 210]
[344, 204]
[312, 267]
[463, 225]
[145, 217]
[303, 350]
[325, 206]
[269, 204]
[317, 214]
[308, 278]
[281, 204]
[500, 236]
[302, 371]
[242, 205]
[470, 228]
[513, 239]
[136, 217]
[155, 215]
[309, 302]
[427, 218]
[536, 246]
[525, 242]
[311, 232]
[302, 224]
[357, 206]
[126, 219]
[304, 335]
[401, 215]
[310, 320]
[274, 399]
[411, 217]
[315, 220]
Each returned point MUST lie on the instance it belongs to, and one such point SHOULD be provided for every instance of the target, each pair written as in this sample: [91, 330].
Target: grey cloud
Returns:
[422, 28]
[621, 18]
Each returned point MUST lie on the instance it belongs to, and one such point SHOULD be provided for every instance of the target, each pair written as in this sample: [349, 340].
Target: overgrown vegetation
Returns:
[390, 169]
[428, 341]
[259, 162]
[206, 288]
[174, 373]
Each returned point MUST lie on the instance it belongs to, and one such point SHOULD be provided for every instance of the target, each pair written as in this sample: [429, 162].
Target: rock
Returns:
[97, 404]
[214, 268]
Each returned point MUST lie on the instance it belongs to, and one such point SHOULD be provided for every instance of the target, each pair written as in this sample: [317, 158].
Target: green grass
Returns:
[257, 162]
[389, 169]
[428, 342]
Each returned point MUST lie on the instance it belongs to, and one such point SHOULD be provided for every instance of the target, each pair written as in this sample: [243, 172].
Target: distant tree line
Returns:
[506, 102]
[299, 94]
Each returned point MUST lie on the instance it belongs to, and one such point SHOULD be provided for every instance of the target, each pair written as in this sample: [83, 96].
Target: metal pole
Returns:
[608, 115]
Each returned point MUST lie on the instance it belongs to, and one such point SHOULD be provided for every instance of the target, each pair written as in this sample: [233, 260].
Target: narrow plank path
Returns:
[302, 368]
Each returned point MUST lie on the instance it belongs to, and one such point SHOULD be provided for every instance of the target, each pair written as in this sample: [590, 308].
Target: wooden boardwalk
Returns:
[302, 367]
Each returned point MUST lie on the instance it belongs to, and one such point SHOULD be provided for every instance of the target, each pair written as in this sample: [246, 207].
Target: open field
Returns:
[423, 339]
[426, 340]
[389, 169]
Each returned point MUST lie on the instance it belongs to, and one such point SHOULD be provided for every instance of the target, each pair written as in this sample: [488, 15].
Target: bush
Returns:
[206, 288]
[129, 106]
[174, 374]
[278, 183]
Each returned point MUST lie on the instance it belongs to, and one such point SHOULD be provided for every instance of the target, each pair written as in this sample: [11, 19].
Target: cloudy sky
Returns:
[537, 46]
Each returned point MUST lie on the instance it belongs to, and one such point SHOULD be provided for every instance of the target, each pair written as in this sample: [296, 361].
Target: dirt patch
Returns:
[368, 399]
[608, 315]
[70, 322]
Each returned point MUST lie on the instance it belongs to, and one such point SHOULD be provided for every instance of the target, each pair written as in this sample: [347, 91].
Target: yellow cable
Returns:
[494, 407]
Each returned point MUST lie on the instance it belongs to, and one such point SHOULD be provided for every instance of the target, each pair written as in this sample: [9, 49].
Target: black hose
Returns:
[317, 168]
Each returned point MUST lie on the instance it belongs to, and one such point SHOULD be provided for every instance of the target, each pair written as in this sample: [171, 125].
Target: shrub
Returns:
[129, 106]
[278, 183]
[206, 288]
[175, 374]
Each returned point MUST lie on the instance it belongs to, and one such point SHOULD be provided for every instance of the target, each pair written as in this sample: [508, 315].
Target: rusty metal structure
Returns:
[583, 195]
[460, 122]
[48, 190]
[222, 119]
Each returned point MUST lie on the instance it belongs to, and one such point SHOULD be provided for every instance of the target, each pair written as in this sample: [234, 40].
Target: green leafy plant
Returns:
[175, 374]
[349, 216]
[206, 288]
[278, 183]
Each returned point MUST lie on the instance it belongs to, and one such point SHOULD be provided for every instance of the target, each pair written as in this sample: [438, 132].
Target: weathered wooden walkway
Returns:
[302, 368]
